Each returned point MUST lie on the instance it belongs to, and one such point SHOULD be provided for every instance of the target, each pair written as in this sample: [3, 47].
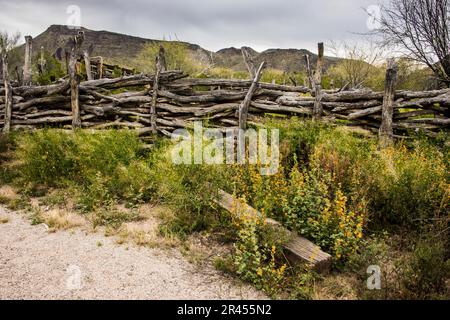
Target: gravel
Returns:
[36, 264]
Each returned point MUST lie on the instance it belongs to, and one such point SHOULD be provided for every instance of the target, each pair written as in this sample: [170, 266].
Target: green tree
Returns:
[47, 69]
[177, 57]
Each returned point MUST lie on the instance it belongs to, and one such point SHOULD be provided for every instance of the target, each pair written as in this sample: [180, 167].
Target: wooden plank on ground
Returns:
[297, 250]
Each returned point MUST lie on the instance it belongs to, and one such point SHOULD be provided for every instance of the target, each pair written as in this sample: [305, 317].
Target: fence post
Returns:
[74, 92]
[87, 64]
[159, 66]
[75, 80]
[8, 95]
[309, 78]
[248, 62]
[386, 131]
[318, 109]
[27, 64]
[243, 108]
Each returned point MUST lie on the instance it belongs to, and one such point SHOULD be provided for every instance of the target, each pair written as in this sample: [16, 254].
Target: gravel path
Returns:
[36, 264]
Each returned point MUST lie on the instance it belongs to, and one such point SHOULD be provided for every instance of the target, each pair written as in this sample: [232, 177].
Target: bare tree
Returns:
[421, 29]
[357, 64]
[7, 43]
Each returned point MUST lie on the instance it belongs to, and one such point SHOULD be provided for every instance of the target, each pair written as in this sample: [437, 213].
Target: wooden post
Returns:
[318, 108]
[319, 67]
[159, 66]
[387, 115]
[27, 64]
[100, 67]
[309, 76]
[74, 91]
[87, 63]
[75, 80]
[243, 108]
[248, 62]
[8, 95]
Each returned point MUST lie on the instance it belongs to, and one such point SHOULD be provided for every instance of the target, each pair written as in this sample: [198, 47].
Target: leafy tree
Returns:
[47, 69]
[176, 53]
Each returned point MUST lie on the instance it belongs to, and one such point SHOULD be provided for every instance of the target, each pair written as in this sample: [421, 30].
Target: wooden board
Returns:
[298, 249]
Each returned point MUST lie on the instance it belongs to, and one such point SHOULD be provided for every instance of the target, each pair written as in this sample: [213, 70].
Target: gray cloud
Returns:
[213, 24]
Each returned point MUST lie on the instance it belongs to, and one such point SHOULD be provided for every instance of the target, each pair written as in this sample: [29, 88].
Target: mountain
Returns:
[123, 49]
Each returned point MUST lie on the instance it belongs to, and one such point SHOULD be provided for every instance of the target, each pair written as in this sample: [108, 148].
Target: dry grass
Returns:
[4, 220]
[145, 232]
[8, 195]
[61, 219]
[337, 287]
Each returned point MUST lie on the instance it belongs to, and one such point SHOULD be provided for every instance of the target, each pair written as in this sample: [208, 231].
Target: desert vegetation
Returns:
[362, 205]
[363, 200]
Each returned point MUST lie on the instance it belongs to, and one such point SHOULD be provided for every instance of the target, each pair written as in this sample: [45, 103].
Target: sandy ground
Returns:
[36, 264]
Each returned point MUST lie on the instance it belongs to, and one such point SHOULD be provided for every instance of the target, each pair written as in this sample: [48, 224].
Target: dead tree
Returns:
[421, 29]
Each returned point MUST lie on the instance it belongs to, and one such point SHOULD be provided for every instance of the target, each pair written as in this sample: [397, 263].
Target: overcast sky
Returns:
[213, 24]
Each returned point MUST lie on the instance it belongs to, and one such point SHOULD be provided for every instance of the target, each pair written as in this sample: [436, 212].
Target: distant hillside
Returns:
[123, 49]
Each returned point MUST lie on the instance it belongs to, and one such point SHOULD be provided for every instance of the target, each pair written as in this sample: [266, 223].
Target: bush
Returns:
[408, 187]
[54, 157]
[257, 252]
[425, 273]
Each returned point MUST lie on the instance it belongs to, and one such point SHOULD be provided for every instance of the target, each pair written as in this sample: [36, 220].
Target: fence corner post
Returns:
[160, 65]
[27, 63]
[387, 115]
[74, 81]
[318, 108]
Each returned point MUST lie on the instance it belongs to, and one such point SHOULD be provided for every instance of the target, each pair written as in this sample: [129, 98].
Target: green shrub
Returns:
[47, 157]
[425, 273]
[54, 157]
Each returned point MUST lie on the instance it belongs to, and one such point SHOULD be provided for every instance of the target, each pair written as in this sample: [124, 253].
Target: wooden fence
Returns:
[167, 100]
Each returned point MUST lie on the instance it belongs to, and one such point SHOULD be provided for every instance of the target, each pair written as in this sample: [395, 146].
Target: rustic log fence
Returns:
[168, 100]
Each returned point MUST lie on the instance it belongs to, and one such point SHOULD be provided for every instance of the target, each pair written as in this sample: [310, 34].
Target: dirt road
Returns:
[36, 264]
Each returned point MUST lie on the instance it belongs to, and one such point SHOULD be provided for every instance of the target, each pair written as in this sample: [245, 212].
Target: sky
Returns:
[213, 24]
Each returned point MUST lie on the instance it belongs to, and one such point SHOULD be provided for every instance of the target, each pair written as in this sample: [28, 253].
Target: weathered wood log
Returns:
[27, 64]
[338, 107]
[39, 101]
[134, 80]
[229, 83]
[87, 64]
[282, 109]
[243, 108]
[353, 96]
[386, 130]
[45, 120]
[298, 249]
[364, 112]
